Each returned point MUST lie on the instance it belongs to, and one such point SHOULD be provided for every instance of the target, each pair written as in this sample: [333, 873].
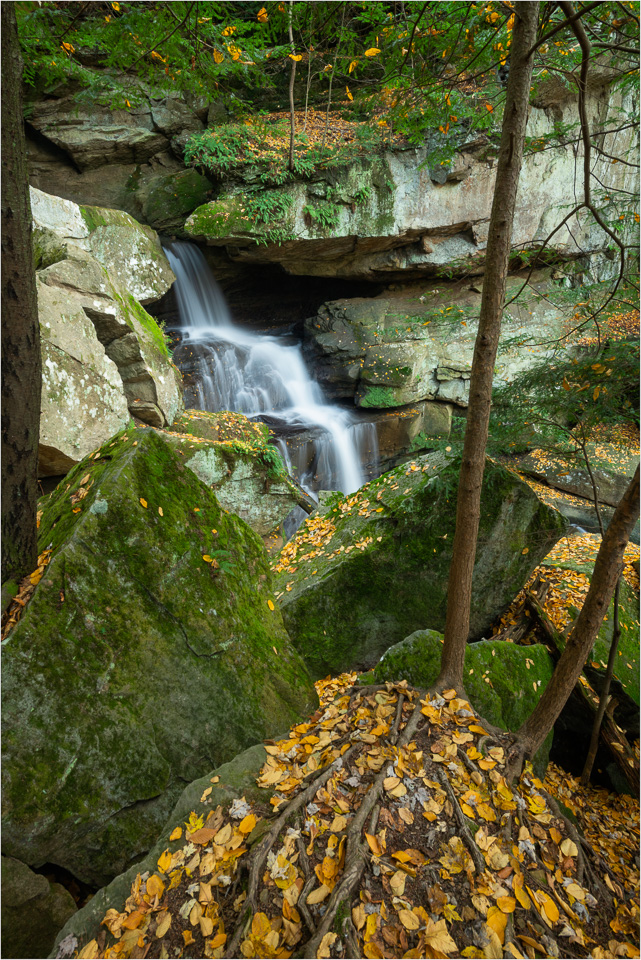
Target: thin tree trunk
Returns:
[292, 75]
[331, 79]
[457, 622]
[604, 692]
[607, 569]
[21, 364]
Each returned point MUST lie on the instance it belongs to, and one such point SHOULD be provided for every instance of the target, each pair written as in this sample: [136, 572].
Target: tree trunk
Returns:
[607, 569]
[457, 622]
[292, 76]
[604, 692]
[21, 365]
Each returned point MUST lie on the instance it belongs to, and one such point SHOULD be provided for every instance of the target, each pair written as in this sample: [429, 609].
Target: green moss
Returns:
[138, 665]
[131, 308]
[384, 572]
[171, 199]
[503, 681]
[380, 397]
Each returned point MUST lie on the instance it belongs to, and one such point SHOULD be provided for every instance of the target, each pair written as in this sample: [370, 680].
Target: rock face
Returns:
[104, 357]
[128, 159]
[392, 217]
[232, 456]
[386, 352]
[500, 677]
[236, 779]
[374, 567]
[33, 911]
[138, 665]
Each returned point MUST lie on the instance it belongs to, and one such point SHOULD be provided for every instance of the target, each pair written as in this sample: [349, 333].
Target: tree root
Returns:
[466, 833]
[357, 851]
[270, 838]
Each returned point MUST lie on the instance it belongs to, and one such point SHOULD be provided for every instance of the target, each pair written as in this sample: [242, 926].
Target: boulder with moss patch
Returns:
[104, 356]
[151, 651]
[374, 568]
[503, 681]
[234, 780]
[233, 456]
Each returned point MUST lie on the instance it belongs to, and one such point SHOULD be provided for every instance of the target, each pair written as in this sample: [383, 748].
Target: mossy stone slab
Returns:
[138, 665]
[383, 573]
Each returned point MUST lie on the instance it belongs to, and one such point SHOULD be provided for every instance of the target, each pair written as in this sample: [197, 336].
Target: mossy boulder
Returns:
[232, 455]
[167, 201]
[502, 680]
[138, 665]
[236, 779]
[375, 568]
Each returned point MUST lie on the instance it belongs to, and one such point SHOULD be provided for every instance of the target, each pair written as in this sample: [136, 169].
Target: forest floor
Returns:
[392, 831]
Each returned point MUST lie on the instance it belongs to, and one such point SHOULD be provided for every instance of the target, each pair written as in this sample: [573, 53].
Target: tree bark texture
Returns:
[468, 510]
[292, 77]
[21, 363]
[607, 569]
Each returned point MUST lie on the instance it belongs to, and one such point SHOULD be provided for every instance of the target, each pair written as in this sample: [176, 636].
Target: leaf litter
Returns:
[391, 831]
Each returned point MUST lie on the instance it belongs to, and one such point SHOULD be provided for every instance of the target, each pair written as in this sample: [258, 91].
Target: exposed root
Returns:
[466, 833]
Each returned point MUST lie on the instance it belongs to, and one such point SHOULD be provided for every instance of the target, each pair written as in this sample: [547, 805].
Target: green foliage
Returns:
[324, 214]
[557, 405]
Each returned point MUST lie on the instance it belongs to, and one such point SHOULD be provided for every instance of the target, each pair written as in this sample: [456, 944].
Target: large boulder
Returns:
[395, 350]
[34, 910]
[233, 456]
[104, 357]
[502, 680]
[151, 652]
[232, 781]
[374, 568]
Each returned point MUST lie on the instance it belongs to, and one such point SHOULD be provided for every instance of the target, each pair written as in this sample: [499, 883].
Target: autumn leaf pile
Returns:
[391, 831]
[568, 587]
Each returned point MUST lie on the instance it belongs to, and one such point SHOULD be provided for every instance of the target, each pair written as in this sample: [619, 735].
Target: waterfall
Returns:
[228, 368]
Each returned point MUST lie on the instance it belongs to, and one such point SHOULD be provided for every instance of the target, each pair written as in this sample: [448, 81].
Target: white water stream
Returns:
[251, 373]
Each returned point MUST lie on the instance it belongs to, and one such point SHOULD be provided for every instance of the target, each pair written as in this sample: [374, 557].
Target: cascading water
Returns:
[228, 368]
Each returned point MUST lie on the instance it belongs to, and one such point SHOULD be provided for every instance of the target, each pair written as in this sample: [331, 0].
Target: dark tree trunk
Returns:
[21, 374]
[607, 569]
[468, 510]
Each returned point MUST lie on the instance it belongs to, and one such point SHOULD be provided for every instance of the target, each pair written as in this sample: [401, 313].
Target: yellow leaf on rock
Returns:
[373, 844]
[506, 904]
[568, 848]
[223, 836]
[397, 883]
[319, 894]
[143, 502]
[164, 861]
[248, 823]
[270, 604]
[497, 920]
[155, 886]
[89, 951]
[325, 944]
